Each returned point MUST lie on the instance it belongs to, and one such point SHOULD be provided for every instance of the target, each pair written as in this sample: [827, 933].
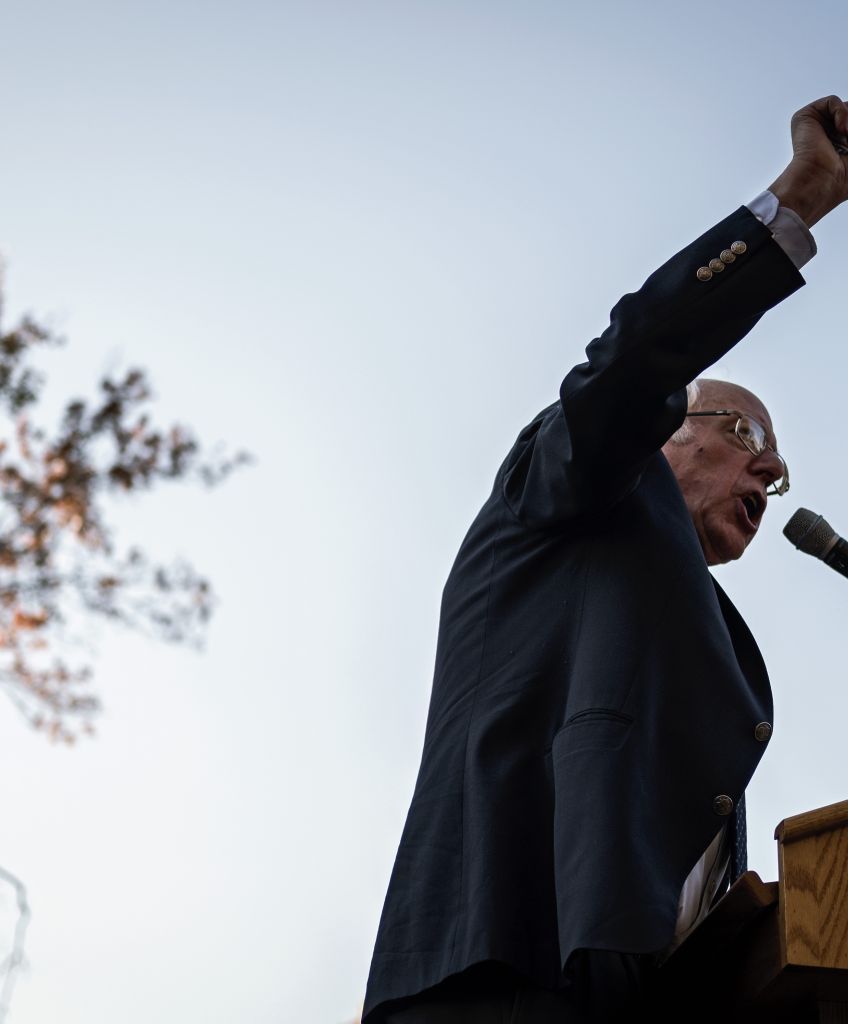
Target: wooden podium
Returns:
[774, 951]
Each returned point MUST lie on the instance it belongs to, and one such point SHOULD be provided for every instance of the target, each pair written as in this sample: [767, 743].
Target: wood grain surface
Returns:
[813, 864]
[822, 819]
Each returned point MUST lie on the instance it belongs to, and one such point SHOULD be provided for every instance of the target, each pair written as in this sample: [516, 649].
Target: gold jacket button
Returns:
[704, 273]
[762, 732]
[726, 256]
[738, 248]
[716, 266]
[722, 805]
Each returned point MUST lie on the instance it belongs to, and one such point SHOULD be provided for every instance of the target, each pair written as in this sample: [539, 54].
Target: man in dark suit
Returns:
[598, 704]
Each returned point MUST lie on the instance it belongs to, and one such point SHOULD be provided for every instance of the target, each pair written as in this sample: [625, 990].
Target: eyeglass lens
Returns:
[752, 434]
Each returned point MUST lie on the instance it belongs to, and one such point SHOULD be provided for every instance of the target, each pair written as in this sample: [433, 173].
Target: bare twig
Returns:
[11, 965]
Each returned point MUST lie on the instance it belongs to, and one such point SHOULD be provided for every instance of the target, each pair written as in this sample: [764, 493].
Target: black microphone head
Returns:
[810, 533]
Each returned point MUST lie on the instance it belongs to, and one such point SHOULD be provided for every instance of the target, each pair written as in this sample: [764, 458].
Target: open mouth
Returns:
[754, 504]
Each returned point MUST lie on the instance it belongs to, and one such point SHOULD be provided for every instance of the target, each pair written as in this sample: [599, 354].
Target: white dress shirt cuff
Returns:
[787, 228]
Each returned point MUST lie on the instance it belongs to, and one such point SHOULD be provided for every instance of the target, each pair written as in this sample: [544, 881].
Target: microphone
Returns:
[814, 535]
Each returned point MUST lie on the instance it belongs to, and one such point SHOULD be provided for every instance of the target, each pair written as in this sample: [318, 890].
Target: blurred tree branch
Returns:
[57, 553]
[11, 965]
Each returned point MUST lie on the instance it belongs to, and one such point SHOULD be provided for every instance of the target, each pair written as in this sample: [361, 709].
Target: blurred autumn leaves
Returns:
[57, 555]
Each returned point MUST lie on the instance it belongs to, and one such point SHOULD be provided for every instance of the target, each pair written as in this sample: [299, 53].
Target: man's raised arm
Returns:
[620, 406]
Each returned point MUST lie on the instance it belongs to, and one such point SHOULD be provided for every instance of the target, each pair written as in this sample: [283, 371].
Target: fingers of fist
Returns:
[829, 112]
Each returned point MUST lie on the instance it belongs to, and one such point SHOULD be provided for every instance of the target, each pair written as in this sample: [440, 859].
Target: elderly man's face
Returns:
[723, 484]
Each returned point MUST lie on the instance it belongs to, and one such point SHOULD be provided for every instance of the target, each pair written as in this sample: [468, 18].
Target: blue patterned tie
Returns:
[738, 841]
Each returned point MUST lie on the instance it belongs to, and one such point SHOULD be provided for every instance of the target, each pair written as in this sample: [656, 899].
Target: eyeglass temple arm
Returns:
[715, 412]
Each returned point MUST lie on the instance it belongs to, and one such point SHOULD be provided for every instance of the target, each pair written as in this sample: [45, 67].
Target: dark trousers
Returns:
[603, 988]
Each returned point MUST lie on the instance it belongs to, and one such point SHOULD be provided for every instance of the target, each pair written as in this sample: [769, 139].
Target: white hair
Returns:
[685, 432]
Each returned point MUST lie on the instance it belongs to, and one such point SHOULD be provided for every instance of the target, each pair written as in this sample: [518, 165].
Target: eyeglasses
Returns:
[753, 435]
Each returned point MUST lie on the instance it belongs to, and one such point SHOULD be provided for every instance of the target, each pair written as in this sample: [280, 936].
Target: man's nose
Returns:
[768, 465]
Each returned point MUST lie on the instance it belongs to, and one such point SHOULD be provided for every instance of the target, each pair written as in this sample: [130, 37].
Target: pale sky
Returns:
[365, 241]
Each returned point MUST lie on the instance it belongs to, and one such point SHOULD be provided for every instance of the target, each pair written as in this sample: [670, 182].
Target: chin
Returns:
[727, 548]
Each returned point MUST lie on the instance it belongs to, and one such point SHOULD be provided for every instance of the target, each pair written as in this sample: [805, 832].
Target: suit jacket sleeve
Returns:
[587, 451]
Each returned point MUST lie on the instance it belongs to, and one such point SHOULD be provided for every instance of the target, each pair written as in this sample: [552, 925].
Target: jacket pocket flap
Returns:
[592, 729]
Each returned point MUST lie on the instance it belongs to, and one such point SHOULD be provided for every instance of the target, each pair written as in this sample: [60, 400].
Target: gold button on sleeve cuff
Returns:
[738, 248]
[716, 266]
[726, 256]
[704, 273]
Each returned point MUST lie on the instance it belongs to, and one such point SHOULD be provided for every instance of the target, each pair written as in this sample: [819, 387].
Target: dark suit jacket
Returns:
[594, 688]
